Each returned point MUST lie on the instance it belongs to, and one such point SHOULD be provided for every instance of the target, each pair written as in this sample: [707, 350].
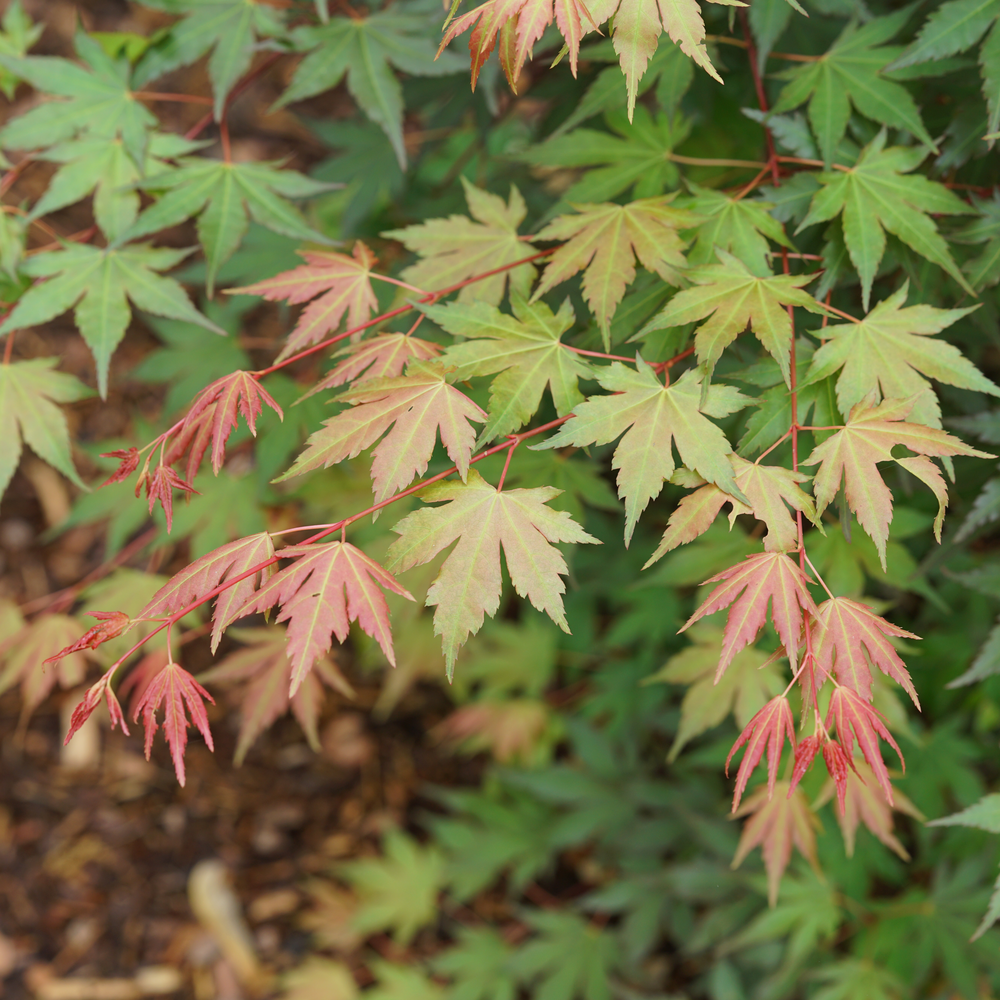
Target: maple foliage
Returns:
[384, 356]
[765, 731]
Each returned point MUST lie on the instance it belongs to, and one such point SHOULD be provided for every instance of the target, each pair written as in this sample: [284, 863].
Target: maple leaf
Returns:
[94, 98]
[18, 36]
[874, 195]
[97, 283]
[638, 154]
[342, 283]
[740, 226]
[762, 579]
[416, 406]
[201, 577]
[652, 417]
[778, 822]
[384, 356]
[862, 803]
[218, 405]
[857, 720]
[225, 196]
[365, 48]
[768, 488]
[889, 353]
[850, 72]
[606, 240]
[984, 270]
[511, 729]
[849, 638]
[262, 671]
[29, 391]
[851, 455]
[174, 688]
[160, 485]
[85, 709]
[230, 28]
[748, 683]
[482, 520]
[765, 731]
[111, 625]
[734, 298]
[325, 589]
[128, 459]
[525, 349]
[458, 248]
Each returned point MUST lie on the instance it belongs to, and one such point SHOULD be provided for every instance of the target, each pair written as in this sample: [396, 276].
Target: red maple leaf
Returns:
[83, 711]
[321, 593]
[805, 754]
[174, 687]
[111, 625]
[857, 720]
[160, 485]
[129, 458]
[215, 413]
[837, 763]
[346, 286]
[845, 632]
[777, 824]
[765, 731]
[762, 579]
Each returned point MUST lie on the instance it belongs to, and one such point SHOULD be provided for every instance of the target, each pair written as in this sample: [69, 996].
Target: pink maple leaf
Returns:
[129, 459]
[765, 731]
[160, 485]
[111, 625]
[174, 688]
[83, 711]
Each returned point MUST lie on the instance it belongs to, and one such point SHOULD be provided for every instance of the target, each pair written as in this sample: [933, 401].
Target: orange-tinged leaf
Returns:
[415, 406]
[384, 356]
[652, 418]
[342, 283]
[227, 562]
[765, 731]
[174, 688]
[482, 520]
[849, 638]
[458, 248]
[861, 802]
[857, 720]
[768, 578]
[851, 455]
[606, 240]
[777, 823]
[509, 729]
[326, 588]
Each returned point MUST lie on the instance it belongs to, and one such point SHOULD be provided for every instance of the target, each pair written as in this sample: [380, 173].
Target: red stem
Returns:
[758, 83]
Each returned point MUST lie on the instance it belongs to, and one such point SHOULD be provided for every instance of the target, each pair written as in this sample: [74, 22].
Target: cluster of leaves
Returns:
[777, 321]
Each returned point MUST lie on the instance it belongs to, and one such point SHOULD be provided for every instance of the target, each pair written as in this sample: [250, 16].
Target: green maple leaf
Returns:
[458, 248]
[858, 979]
[366, 49]
[401, 982]
[984, 270]
[732, 298]
[954, 27]
[95, 98]
[230, 28]
[524, 348]
[482, 519]
[225, 196]
[92, 163]
[740, 226]
[99, 283]
[398, 891]
[638, 153]
[29, 391]
[652, 417]
[874, 196]
[890, 352]
[850, 73]
[18, 35]
[478, 966]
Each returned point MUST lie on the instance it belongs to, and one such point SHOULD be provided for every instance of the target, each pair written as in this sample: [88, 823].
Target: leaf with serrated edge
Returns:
[777, 822]
[524, 348]
[415, 406]
[384, 356]
[850, 456]
[482, 520]
[342, 283]
[325, 589]
[652, 417]
[606, 240]
[733, 298]
[766, 731]
[767, 578]
[205, 574]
